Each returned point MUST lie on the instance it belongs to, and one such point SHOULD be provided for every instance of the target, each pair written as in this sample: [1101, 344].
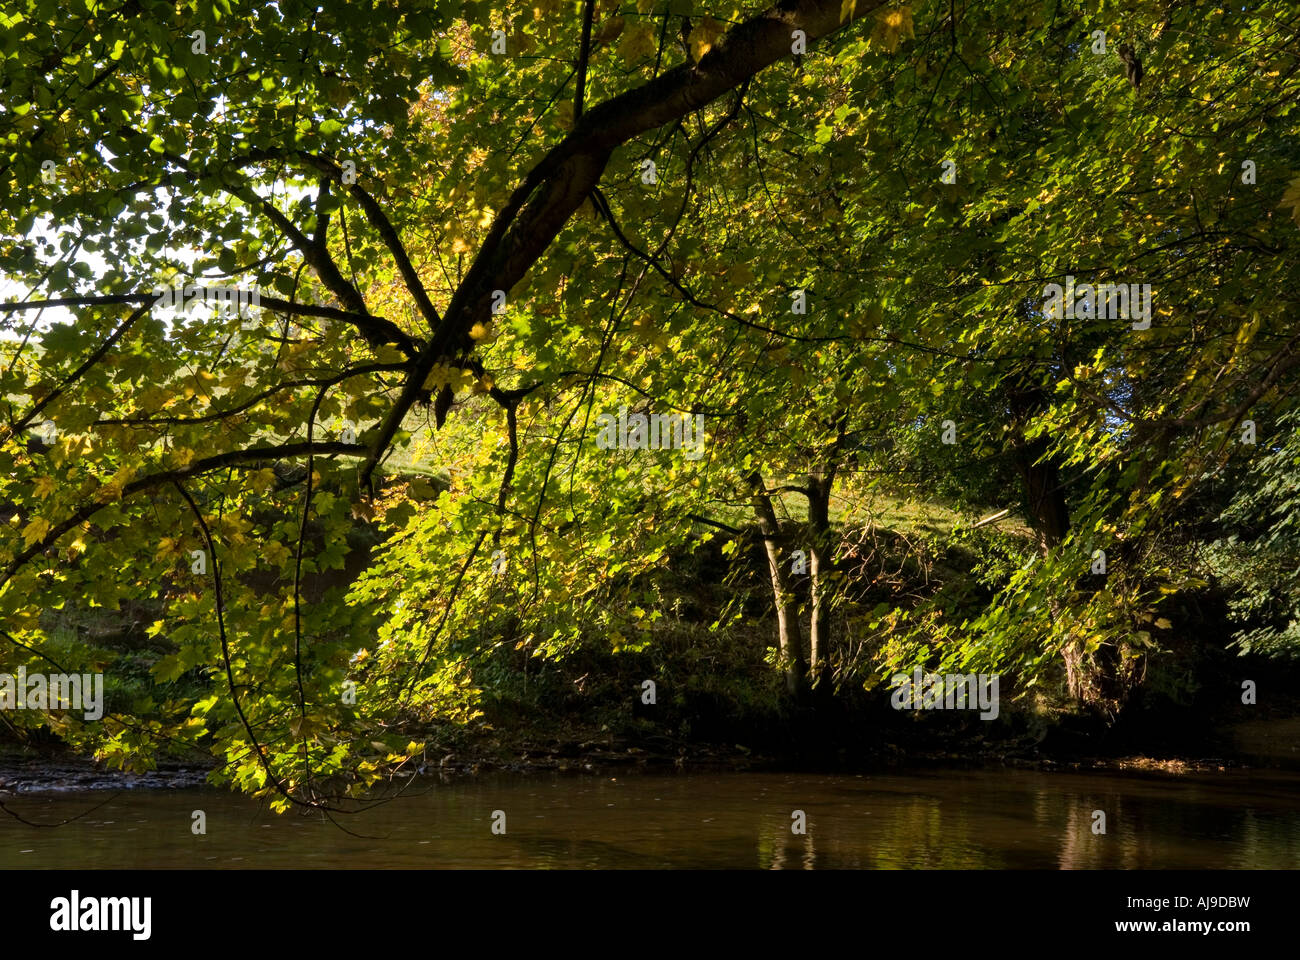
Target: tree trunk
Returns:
[822, 550]
[789, 644]
[1044, 497]
[1049, 515]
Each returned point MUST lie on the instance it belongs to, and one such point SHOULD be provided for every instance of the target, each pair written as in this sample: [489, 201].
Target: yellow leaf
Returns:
[262, 480]
[703, 35]
[388, 354]
[113, 489]
[443, 375]
[638, 42]
[43, 487]
[891, 28]
[1163, 624]
[35, 531]
[275, 553]
[1291, 198]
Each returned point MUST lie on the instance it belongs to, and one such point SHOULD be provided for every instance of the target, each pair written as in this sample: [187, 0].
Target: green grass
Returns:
[904, 515]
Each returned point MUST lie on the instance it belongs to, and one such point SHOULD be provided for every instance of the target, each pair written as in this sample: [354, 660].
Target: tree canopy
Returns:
[314, 315]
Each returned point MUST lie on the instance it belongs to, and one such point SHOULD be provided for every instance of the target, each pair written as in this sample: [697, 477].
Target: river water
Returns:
[618, 819]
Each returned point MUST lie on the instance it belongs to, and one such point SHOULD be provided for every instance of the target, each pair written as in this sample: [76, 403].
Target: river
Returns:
[1238, 819]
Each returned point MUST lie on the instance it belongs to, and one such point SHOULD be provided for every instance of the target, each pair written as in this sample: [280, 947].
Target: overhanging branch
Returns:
[562, 180]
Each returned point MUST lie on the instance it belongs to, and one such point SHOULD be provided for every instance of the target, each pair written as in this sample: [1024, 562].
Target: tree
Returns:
[474, 229]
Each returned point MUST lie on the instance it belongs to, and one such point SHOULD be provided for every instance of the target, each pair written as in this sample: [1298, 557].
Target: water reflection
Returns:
[931, 820]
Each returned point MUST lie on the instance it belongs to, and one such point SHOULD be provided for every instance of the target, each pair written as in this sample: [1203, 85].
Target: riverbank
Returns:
[1265, 745]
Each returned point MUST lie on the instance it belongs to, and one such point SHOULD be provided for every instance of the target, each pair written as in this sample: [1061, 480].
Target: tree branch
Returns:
[232, 458]
[562, 180]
